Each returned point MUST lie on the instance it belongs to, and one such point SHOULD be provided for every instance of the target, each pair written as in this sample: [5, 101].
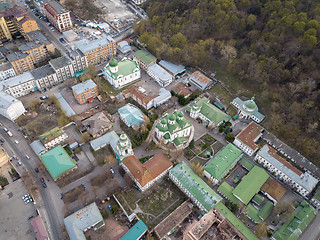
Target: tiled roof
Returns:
[249, 135]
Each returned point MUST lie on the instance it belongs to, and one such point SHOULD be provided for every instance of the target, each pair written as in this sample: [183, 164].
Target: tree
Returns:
[229, 137]
[284, 210]
[191, 144]
[261, 230]
[197, 168]
[34, 104]
[234, 208]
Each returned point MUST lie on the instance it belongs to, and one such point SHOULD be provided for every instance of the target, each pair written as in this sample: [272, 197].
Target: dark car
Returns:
[61, 40]
[44, 185]
[42, 180]
[36, 170]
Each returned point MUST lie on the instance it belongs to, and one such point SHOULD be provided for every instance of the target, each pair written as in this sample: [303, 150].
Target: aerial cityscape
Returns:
[159, 120]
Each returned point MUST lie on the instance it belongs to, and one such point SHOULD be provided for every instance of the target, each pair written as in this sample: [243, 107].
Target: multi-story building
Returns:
[194, 187]
[97, 51]
[21, 62]
[45, 77]
[10, 107]
[247, 138]
[63, 68]
[37, 52]
[85, 91]
[57, 15]
[19, 86]
[248, 109]
[174, 128]
[53, 137]
[15, 22]
[122, 73]
[146, 174]
[38, 37]
[6, 71]
[144, 59]
[78, 59]
[160, 75]
[301, 182]
[200, 80]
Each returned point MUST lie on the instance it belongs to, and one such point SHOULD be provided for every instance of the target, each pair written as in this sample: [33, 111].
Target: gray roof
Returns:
[81, 220]
[84, 86]
[64, 105]
[86, 46]
[305, 180]
[108, 138]
[17, 80]
[37, 147]
[164, 95]
[43, 71]
[57, 6]
[38, 36]
[6, 100]
[16, 56]
[29, 46]
[174, 69]
[60, 62]
[162, 74]
[5, 66]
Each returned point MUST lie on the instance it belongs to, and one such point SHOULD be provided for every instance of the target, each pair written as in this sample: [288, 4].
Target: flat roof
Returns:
[223, 161]
[303, 179]
[160, 72]
[57, 161]
[195, 185]
[16, 56]
[250, 184]
[59, 62]
[274, 189]
[37, 36]
[84, 86]
[57, 8]
[17, 80]
[42, 72]
[86, 46]
[5, 66]
[136, 231]
[171, 67]
[145, 56]
[250, 135]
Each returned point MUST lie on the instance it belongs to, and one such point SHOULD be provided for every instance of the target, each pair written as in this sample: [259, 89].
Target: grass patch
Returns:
[73, 194]
[219, 91]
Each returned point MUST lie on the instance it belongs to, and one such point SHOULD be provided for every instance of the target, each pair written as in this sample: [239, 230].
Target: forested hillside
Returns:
[270, 46]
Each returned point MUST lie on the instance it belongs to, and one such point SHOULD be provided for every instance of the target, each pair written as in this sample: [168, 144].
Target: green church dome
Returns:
[250, 105]
[113, 62]
[163, 121]
[172, 117]
[180, 115]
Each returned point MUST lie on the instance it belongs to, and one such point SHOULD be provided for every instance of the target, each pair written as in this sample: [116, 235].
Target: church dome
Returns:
[172, 117]
[113, 62]
[123, 137]
[250, 105]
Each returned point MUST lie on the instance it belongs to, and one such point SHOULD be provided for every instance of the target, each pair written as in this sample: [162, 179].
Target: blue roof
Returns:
[37, 147]
[136, 231]
[64, 105]
[174, 69]
[131, 115]
[83, 86]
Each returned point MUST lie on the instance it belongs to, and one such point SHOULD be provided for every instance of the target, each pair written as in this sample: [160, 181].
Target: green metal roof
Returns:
[125, 67]
[250, 184]
[179, 140]
[223, 161]
[258, 199]
[136, 231]
[50, 135]
[246, 163]
[57, 161]
[177, 126]
[316, 196]
[299, 221]
[265, 211]
[211, 112]
[252, 213]
[226, 190]
[195, 185]
[5, 6]
[235, 222]
[145, 56]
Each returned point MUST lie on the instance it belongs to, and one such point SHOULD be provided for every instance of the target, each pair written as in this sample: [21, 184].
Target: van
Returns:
[27, 157]
[9, 133]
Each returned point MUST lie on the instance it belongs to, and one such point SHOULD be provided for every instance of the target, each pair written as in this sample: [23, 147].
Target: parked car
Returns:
[16, 141]
[19, 163]
[111, 170]
[44, 185]
[42, 180]
[25, 196]
[27, 157]
[36, 170]
[5, 129]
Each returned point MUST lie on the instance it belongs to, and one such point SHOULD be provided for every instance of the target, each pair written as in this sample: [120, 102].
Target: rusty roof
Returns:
[249, 134]
[149, 170]
[273, 188]
[201, 77]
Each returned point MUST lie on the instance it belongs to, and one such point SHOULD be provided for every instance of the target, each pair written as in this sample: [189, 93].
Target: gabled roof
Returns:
[84, 86]
[250, 184]
[195, 185]
[226, 190]
[39, 228]
[250, 135]
[151, 169]
[222, 162]
[57, 161]
[81, 220]
[172, 68]
[136, 231]
[125, 67]
[200, 80]
[132, 115]
[145, 56]
[274, 189]
[98, 123]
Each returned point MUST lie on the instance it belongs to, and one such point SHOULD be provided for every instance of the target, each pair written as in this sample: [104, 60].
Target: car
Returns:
[61, 40]
[30, 217]
[16, 141]
[111, 170]
[27, 157]
[42, 180]
[5, 129]
[36, 170]
[44, 185]
[28, 201]
[25, 196]
[19, 163]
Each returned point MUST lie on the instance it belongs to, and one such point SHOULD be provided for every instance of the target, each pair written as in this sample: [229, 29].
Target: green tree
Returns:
[178, 40]
[284, 210]
[229, 137]
[261, 230]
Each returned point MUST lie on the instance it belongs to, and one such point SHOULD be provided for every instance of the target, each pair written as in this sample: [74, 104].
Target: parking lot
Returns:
[14, 223]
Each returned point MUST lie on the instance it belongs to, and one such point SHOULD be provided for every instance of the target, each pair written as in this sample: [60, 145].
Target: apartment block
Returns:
[37, 52]
[38, 37]
[63, 68]
[15, 22]
[85, 91]
[45, 77]
[21, 62]
[58, 15]
[19, 86]
[6, 71]
[97, 51]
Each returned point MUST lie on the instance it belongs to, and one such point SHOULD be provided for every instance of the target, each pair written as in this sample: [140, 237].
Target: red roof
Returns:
[38, 228]
[249, 134]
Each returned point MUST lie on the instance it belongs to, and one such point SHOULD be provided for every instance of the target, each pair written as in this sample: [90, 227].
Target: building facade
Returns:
[120, 74]
[19, 86]
[63, 68]
[10, 107]
[85, 91]
[248, 109]
[6, 71]
[160, 75]
[303, 183]
[21, 62]
[58, 15]
[144, 59]
[247, 138]
[53, 138]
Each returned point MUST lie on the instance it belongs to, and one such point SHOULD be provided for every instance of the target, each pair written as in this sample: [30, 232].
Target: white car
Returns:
[16, 141]
[111, 170]
[19, 163]
[25, 197]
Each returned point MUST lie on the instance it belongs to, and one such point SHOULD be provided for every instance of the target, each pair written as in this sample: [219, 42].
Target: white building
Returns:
[138, 2]
[248, 109]
[63, 68]
[6, 71]
[122, 73]
[19, 86]
[161, 76]
[10, 107]
[124, 47]
[301, 182]
[45, 77]
[124, 147]
[247, 138]
[53, 138]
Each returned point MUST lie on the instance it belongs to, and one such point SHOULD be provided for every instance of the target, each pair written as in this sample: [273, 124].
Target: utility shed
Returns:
[250, 184]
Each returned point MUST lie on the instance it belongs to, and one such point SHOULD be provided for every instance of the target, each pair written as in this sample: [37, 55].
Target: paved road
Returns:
[313, 231]
[20, 150]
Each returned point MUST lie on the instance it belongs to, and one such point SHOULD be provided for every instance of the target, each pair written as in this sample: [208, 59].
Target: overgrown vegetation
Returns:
[184, 101]
[264, 48]
[83, 8]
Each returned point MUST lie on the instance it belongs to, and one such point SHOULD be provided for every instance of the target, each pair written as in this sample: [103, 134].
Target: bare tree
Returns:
[197, 168]
[284, 210]
[261, 230]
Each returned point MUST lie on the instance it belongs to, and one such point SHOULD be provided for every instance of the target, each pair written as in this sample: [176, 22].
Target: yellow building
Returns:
[21, 62]
[37, 51]
[15, 22]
